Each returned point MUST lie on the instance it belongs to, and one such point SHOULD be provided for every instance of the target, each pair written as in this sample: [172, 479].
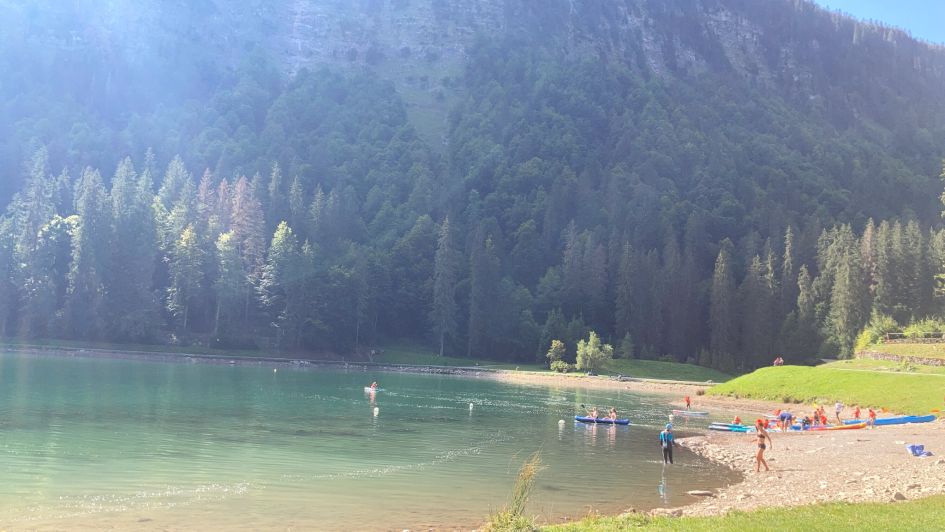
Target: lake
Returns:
[125, 443]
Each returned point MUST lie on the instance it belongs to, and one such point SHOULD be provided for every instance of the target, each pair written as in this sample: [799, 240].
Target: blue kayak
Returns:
[899, 420]
[602, 420]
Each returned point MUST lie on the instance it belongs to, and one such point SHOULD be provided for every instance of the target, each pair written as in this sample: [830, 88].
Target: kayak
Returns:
[369, 389]
[899, 420]
[602, 420]
[839, 427]
[689, 413]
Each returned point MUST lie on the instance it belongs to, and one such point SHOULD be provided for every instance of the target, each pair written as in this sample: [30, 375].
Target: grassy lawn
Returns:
[912, 350]
[908, 393]
[867, 364]
[922, 514]
[654, 369]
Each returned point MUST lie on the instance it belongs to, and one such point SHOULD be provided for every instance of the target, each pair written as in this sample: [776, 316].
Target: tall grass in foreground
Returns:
[510, 518]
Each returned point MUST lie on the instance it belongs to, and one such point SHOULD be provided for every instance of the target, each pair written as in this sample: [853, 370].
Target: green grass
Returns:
[907, 393]
[868, 364]
[912, 350]
[922, 514]
[655, 369]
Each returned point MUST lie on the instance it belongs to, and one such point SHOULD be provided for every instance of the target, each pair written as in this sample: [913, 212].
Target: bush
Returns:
[555, 352]
[876, 330]
[561, 366]
[918, 329]
[591, 354]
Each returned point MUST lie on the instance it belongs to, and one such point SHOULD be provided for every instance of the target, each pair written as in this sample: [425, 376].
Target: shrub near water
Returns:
[904, 393]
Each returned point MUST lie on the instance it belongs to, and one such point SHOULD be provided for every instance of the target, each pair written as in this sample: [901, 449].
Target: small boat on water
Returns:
[372, 390]
[602, 420]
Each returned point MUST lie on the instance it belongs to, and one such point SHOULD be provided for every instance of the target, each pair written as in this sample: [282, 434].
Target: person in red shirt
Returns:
[688, 402]
[737, 420]
[872, 420]
[823, 420]
[856, 413]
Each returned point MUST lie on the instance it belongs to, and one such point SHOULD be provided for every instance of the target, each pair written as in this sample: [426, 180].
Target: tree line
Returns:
[165, 257]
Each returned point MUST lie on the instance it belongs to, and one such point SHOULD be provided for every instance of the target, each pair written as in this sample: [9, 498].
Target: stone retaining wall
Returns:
[878, 355]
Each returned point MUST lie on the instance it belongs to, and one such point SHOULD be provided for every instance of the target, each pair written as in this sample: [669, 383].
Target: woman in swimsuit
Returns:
[613, 414]
[760, 456]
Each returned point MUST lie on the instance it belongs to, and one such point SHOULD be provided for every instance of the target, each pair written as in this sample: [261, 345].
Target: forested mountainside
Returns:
[692, 179]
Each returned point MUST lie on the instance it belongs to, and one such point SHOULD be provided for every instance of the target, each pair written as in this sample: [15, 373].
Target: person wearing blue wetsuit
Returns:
[667, 442]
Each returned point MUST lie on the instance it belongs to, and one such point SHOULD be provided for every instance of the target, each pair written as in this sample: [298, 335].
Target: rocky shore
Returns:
[806, 468]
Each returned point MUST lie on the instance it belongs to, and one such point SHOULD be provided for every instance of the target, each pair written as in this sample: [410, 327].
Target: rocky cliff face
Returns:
[419, 45]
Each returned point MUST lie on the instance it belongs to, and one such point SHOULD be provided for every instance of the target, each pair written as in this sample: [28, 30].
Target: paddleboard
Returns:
[689, 413]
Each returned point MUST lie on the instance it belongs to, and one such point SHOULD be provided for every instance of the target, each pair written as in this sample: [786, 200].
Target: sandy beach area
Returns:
[849, 466]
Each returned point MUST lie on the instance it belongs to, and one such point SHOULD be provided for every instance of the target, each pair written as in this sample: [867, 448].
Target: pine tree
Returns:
[30, 211]
[89, 258]
[280, 277]
[246, 222]
[186, 275]
[849, 310]
[132, 310]
[723, 327]
[484, 284]
[788, 284]
[297, 206]
[230, 284]
[443, 315]
[277, 205]
[623, 304]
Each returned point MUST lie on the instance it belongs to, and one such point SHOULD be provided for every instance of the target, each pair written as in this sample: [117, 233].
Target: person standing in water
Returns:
[760, 456]
[667, 441]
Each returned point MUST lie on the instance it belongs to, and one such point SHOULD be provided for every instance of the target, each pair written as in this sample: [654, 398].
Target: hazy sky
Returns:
[925, 19]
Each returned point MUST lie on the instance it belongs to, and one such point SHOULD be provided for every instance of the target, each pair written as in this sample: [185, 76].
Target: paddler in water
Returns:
[374, 386]
[593, 413]
[612, 415]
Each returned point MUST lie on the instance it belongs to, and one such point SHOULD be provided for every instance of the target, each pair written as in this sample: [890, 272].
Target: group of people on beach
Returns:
[818, 418]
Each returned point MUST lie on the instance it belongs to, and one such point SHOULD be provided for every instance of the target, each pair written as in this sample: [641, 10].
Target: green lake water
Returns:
[97, 443]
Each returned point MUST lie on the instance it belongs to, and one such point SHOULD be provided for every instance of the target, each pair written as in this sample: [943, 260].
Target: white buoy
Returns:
[376, 410]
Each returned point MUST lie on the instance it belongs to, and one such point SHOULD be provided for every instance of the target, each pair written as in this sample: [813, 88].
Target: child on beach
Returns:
[760, 456]
[837, 409]
[872, 420]
[856, 413]
[688, 402]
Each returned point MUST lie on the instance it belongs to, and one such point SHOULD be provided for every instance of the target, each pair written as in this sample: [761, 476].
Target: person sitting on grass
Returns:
[760, 456]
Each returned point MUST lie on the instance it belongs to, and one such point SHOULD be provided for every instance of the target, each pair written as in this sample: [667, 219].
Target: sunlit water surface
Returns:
[92, 443]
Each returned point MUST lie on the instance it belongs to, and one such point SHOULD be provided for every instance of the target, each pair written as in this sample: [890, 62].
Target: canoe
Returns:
[898, 420]
[369, 389]
[689, 413]
[602, 420]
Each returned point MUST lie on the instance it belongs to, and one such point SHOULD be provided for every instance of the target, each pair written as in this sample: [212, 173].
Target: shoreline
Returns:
[842, 466]
[808, 468]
